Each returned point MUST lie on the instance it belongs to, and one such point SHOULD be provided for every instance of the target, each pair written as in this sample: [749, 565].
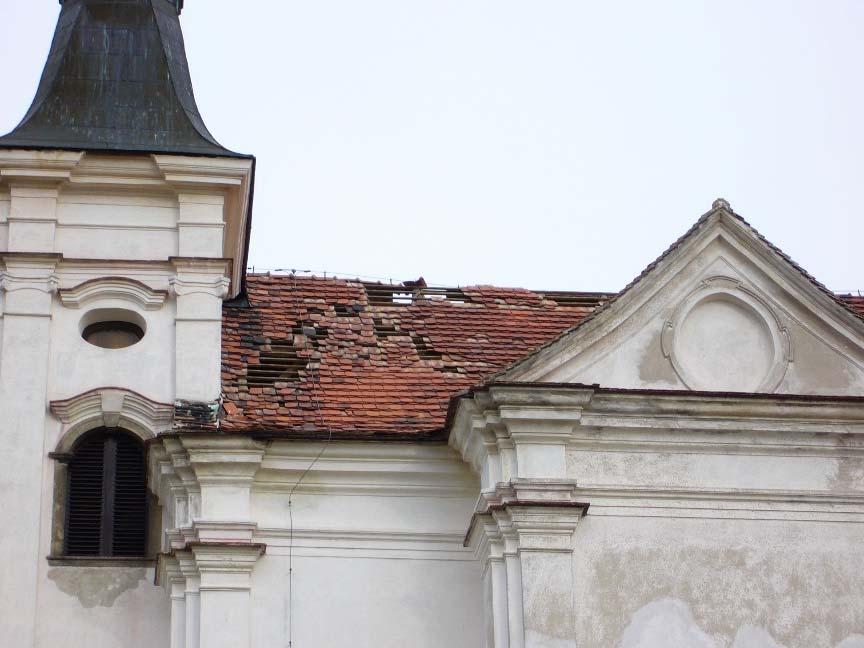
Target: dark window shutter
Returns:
[130, 499]
[107, 508]
[84, 510]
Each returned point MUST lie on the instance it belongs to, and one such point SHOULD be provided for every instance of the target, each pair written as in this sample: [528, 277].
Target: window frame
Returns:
[62, 504]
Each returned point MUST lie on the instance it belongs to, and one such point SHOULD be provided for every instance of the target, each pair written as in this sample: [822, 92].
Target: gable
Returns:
[722, 310]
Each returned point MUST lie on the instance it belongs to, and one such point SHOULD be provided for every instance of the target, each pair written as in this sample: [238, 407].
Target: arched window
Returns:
[106, 507]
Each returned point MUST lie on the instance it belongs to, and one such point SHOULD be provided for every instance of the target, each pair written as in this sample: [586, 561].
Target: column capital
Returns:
[526, 515]
[29, 281]
[226, 567]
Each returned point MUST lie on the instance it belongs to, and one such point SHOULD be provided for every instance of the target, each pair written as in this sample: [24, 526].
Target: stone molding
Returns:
[231, 177]
[505, 428]
[793, 295]
[110, 407]
[203, 580]
[200, 276]
[523, 532]
[28, 282]
[41, 167]
[135, 293]
[736, 289]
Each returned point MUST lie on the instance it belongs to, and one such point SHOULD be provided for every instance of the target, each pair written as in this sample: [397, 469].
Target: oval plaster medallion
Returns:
[724, 338]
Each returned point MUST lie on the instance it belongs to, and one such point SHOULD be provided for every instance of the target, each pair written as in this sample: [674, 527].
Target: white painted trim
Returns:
[123, 289]
[110, 407]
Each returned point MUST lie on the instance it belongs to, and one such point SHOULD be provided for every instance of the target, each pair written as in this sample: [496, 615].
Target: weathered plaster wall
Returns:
[131, 226]
[374, 535]
[674, 582]
[5, 205]
[722, 312]
[343, 598]
[81, 234]
[107, 607]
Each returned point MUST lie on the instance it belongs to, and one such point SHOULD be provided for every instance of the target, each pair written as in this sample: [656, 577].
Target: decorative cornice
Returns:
[26, 271]
[116, 288]
[538, 514]
[187, 171]
[111, 407]
[213, 287]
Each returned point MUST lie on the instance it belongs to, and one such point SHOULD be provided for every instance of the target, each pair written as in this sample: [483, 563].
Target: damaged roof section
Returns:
[196, 415]
[382, 360]
[377, 361]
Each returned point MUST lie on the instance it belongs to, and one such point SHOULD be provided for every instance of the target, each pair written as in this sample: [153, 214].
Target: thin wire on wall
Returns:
[316, 403]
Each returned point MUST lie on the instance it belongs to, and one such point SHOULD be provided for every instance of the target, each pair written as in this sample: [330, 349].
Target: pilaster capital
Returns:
[198, 276]
[526, 515]
[29, 283]
[35, 272]
[45, 168]
[171, 575]
[189, 569]
[226, 567]
[224, 459]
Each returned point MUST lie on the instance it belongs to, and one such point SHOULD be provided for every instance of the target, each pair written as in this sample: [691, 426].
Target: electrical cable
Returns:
[316, 384]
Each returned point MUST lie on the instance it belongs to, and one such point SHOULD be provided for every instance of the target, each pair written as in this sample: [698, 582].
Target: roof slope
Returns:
[387, 368]
[390, 361]
[719, 210]
[116, 79]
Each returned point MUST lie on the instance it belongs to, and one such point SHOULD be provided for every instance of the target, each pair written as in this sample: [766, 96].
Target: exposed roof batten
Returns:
[117, 79]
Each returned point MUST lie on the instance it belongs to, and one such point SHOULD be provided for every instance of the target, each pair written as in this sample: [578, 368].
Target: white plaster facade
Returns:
[152, 238]
[646, 514]
[684, 469]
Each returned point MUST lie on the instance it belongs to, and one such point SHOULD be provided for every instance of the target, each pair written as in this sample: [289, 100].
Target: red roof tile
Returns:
[310, 355]
[855, 302]
[386, 369]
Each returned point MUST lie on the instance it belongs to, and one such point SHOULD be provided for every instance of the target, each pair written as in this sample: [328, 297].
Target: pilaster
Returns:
[34, 187]
[226, 583]
[28, 283]
[192, 596]
[201, 224]
[200, 285]
[523, 533]
[175, 581]
[225, 468]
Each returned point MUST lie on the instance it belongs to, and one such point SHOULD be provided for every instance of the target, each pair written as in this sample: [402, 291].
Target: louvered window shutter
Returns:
[106, 511]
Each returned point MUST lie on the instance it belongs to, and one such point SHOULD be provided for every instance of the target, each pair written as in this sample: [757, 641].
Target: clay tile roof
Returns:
[855, 302]
[372, 360]
[306, 356]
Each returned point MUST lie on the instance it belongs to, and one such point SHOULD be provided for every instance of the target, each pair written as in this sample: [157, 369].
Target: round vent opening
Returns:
[112, 328]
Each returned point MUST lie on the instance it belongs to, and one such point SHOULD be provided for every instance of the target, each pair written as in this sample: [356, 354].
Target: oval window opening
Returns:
[113, 335]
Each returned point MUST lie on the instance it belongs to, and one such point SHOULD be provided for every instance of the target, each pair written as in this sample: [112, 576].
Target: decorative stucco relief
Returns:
[724, 337]
[121, 289]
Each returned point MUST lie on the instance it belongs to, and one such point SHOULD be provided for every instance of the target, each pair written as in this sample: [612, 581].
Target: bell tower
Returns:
[123, 226]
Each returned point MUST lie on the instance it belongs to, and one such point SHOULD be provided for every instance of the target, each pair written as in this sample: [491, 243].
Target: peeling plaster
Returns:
[669, 623]
[803, 593]
[96, 586]
[654, 367]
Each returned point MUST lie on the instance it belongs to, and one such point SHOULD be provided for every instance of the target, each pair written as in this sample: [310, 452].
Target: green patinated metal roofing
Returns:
[117, 79]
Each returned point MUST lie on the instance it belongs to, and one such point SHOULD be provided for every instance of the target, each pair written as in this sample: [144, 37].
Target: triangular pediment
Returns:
[722, 310]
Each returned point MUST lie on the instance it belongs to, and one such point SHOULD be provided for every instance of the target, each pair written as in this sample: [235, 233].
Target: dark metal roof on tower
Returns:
[117, 79]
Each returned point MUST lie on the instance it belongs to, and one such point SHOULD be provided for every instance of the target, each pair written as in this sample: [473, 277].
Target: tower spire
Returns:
[117, 79]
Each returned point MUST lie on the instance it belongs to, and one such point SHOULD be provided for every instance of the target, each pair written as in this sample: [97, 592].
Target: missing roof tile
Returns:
[380, 294]
[411, 292]
[315, 334]
[347, 310]
[385, 330]
[277, 362]
[454, 295]
[424, 348]
[563, 298]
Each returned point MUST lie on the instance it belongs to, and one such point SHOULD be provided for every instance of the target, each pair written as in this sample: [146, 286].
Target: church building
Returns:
[197, 456]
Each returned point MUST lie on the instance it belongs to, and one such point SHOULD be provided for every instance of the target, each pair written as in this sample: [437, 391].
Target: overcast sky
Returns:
[549, 144]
